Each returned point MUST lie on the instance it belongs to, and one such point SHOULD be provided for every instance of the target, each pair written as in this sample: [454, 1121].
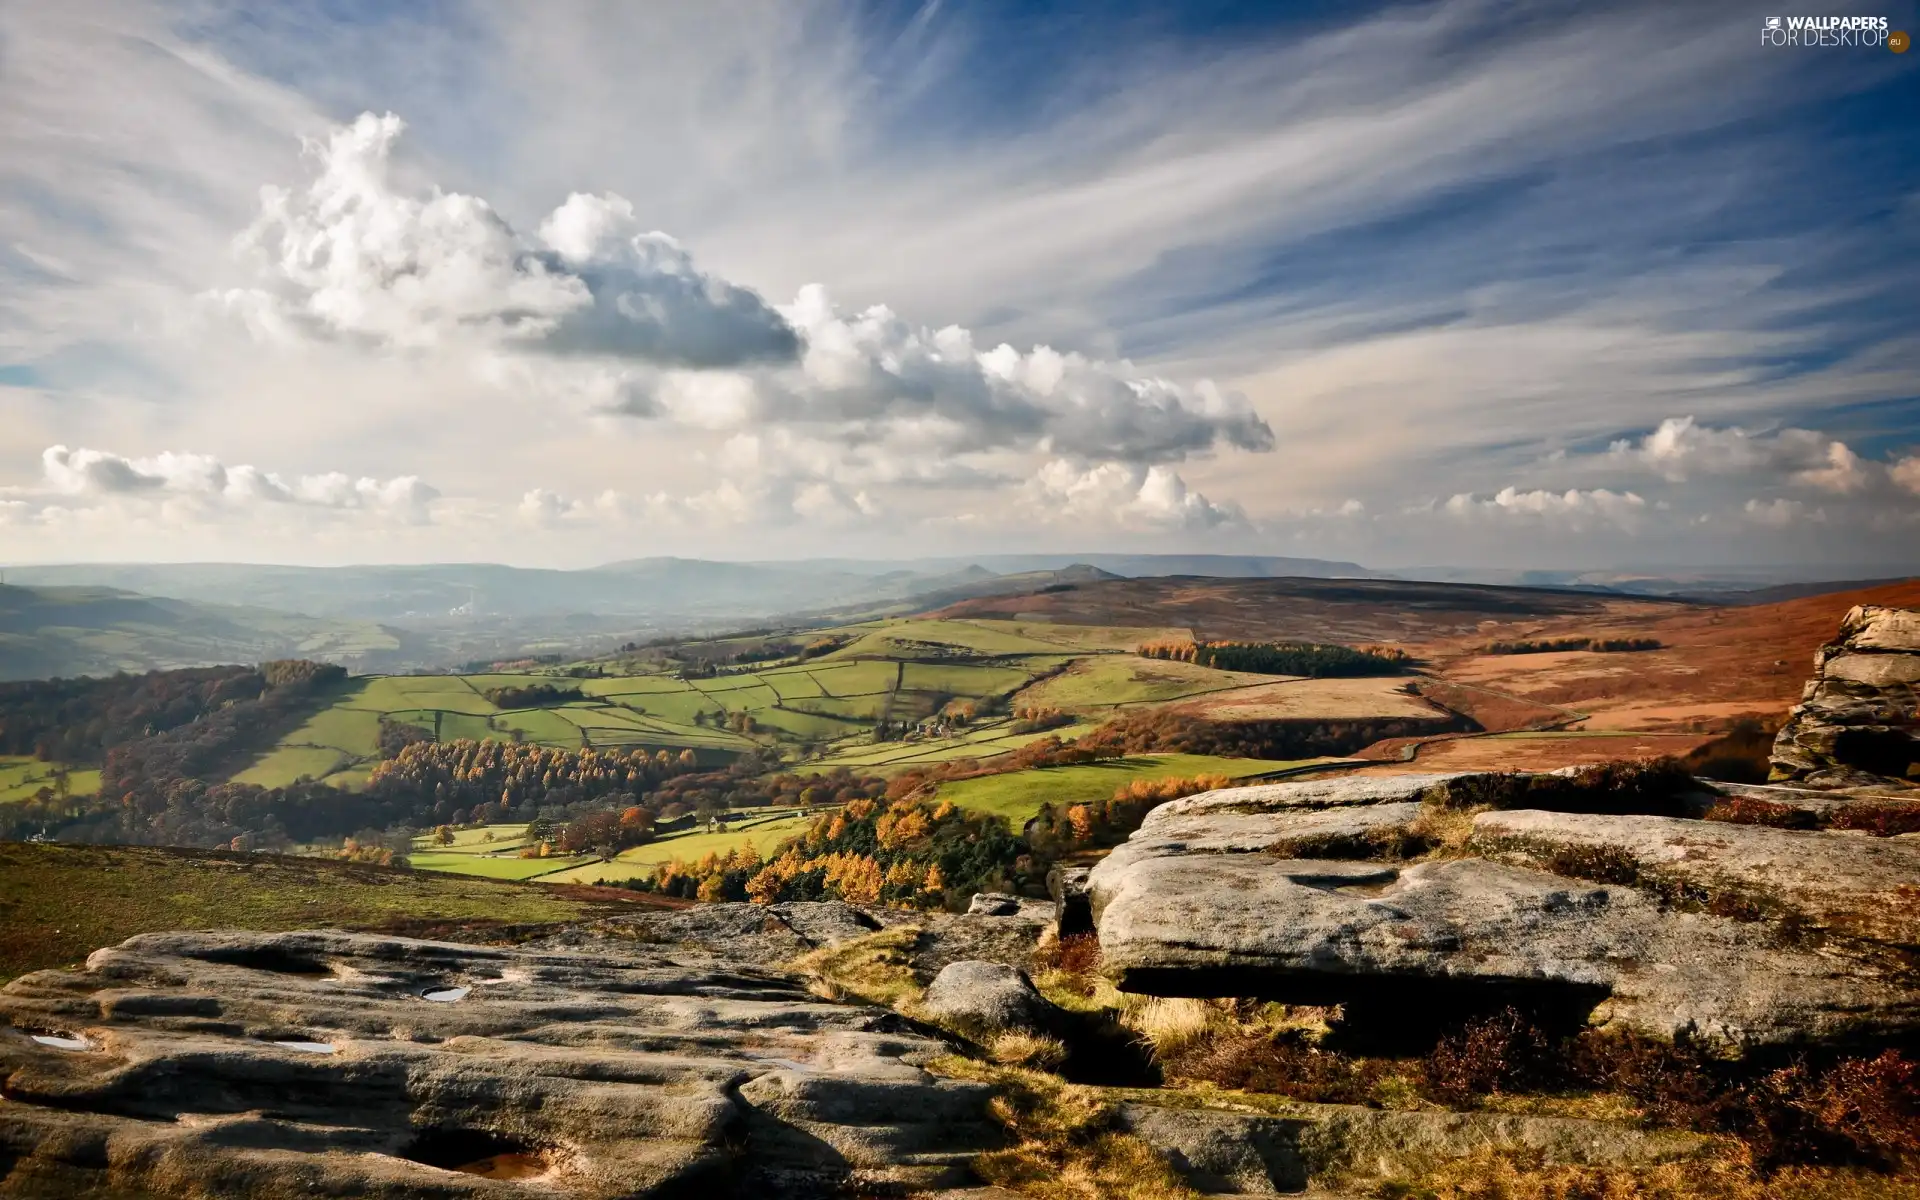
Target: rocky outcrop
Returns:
[1857, 725]
[1364, 891]
[983, 998]
[325, 1063]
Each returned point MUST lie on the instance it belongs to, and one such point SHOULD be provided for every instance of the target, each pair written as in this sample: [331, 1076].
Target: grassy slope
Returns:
[58, 903]
[1018, 795]
[66, 631]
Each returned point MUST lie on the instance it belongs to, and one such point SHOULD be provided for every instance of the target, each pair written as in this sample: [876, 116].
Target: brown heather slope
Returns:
[1715, 664]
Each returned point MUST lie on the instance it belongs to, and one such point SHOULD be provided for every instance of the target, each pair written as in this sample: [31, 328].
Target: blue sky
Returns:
[1470, 282]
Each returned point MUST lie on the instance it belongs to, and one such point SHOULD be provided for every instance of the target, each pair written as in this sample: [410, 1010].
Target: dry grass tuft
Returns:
[1066, 1145]
[1017, 1049]
[1730, 1175]
[1171, 1024]
[875, 968]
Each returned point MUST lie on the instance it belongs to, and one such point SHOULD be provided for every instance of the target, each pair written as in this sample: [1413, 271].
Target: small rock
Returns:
[1072, 900]
[993, 904]
[981, 998]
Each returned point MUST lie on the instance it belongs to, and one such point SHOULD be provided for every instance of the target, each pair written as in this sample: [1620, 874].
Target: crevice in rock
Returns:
[1384, 1014]
[277, 959]
[481, 1152]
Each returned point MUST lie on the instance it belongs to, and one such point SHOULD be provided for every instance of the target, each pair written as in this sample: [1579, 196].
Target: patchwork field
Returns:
[979, 741]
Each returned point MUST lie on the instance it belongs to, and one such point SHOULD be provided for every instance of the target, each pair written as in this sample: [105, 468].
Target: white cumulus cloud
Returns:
[1681, 448]
[1572, 506]
[81, 474]
[1125, 494]
[352, 255]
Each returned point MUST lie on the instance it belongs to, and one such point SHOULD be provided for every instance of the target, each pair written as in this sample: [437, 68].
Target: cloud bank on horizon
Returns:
[1419, 284]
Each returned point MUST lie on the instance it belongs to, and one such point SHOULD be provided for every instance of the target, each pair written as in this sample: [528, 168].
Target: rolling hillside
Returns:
[65, 631]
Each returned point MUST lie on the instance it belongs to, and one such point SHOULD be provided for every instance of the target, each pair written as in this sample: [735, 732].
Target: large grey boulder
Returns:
[984, 998]
[1653, 923]
[327, 1063]
[1857, 725]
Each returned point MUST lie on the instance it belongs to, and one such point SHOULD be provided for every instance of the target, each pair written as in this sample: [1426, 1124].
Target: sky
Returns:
[1464, 282]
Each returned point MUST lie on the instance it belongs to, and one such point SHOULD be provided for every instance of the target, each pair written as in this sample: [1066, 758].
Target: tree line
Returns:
[1549, 645]
[1310, 659]
[909, 852]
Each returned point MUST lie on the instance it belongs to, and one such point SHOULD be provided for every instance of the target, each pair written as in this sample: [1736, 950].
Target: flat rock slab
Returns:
[1208, 899]
[1842, 883]
[328, 1063]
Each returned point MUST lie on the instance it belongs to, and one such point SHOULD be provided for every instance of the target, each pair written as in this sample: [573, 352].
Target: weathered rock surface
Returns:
[770, 935]
[326, 1063]
[1264, 1154]
[1857, 725]
[983, 998]
[1822, 882]
[1214, 896]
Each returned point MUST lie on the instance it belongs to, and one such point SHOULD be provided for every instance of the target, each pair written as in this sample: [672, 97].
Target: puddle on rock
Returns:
[308, 1047]
[62, 1041]
[478, 1152]
[445, 995]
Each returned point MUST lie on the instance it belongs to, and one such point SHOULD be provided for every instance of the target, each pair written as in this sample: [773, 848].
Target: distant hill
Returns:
[1796, 591]
[1335, 610]
[97, 631]
[653, 589]
[1722, 584]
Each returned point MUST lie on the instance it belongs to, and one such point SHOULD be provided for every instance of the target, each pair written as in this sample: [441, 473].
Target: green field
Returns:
[59, 903]
[474, 840]
[1112, 680]
[1018, 795]
[507, 866]
[985, 740]
[762, 835]
[20, 778]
